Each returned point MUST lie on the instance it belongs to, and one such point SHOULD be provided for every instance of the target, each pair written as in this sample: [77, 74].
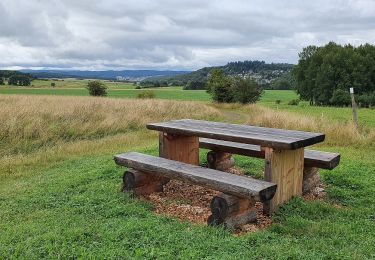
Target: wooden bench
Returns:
[220, 158]
[233, 207]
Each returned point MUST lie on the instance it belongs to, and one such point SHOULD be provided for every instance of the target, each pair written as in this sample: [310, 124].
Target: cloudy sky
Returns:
[173, 34]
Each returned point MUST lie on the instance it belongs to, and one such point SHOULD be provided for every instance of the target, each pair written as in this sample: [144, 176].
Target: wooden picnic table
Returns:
[284, 149]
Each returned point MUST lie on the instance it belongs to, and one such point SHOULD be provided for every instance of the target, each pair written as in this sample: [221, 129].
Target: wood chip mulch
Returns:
[192, 203]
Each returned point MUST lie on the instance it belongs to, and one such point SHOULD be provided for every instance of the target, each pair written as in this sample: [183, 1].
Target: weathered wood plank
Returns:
[239, 186]
[269, 137]
[319, 159]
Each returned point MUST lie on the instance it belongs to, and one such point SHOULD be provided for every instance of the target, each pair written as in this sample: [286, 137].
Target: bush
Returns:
[225, 89]
[366, 100]
[278, 101]
[246, 90]
[53, 84]
[97, 88]
[146, 94]
[138, 87]
[194, 85]
[340, 98]
[220, 87]
[294, 102]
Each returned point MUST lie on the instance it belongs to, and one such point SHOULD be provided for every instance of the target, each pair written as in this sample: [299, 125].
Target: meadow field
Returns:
[60, 189]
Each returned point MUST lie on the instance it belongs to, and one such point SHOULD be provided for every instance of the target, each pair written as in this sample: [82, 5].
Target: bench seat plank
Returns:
[323, 160]
[268, 137]
[241, 186]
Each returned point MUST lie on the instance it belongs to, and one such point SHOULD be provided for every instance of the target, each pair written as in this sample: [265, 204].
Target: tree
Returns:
[195, 84]
[19, 80]
[220, 87]
[97, 88]
[225, 89]
[340, 98]
[1, 81]
[321, 71]
[246, 90]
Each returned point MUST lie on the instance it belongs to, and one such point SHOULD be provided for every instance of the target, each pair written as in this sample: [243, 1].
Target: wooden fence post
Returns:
[354, 108]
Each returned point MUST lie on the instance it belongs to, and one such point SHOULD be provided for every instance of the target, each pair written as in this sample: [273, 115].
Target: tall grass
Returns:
[29, 123]
[337, 133]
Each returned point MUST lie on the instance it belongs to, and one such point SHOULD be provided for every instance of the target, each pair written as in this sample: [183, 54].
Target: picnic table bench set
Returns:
[290, 169]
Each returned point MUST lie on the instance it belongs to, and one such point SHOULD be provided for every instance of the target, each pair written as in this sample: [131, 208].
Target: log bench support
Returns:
[231, 211]
[140, 183]
[233, 207]
[311, 179]
[220, 160]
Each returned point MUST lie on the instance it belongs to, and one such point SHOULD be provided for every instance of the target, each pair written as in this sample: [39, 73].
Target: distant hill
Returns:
[263, 73]
[131, 75]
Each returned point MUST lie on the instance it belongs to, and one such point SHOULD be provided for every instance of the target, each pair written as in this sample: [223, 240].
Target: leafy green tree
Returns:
[19, 80]
[97, 88]
[220, 87]
[323, 70]
[195, 84]
[246, 90]
[340, 98]
[1, 81]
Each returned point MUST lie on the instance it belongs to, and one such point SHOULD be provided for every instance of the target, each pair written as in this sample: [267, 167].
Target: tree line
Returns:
[324, 74]
[15, 78]
[264, 73]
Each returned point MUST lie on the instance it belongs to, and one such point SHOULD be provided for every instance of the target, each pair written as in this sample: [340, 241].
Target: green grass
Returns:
[74, 83]
[161, 93]
[74, 209]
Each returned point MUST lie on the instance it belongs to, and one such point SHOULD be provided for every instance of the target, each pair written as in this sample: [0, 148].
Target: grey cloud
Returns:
[173, 34]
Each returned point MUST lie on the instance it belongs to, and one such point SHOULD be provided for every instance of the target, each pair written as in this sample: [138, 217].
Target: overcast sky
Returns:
[173, 34]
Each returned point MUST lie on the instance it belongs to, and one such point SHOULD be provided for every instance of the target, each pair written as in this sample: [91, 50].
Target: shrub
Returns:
[225, 89]
[195, 84]
[278, 101]
[246, 90]
[220, 87]
[138, 87]
[53, 84]
[146, 94]
[340, 98]
[97, 88]
[366, 100]
[294, 102]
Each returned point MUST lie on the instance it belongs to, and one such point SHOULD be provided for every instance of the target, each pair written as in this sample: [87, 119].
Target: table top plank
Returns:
[263, 136]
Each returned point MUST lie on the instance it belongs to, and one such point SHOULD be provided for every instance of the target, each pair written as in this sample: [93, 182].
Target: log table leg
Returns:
[284, 168]
[179, 148]
[231, 211]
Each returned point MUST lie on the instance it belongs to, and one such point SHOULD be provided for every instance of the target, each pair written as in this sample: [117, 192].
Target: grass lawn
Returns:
[60, 189]
[161, 93]
[74, 209]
